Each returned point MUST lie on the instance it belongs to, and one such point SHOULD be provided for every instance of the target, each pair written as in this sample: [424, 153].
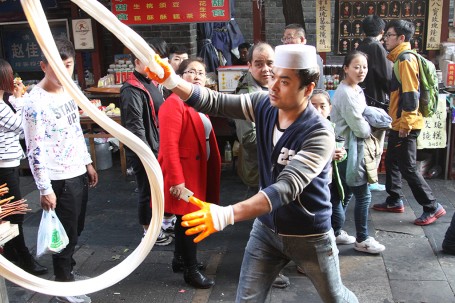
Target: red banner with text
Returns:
[137, 12]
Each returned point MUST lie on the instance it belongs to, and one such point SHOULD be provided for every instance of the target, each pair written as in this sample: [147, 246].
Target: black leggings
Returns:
[184, 245]
[14, 249]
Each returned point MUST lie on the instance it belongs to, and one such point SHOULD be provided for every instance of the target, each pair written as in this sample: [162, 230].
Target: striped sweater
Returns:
[10, 129]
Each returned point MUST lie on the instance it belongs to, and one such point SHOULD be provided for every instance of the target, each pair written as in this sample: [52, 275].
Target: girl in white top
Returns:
[348, 105]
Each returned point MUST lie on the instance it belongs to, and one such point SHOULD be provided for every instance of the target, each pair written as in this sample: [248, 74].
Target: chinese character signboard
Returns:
[450, 75]
[350, 13]
[434, 24]
[20, 47]
[138, 12]
[323, 26]
[433, 134]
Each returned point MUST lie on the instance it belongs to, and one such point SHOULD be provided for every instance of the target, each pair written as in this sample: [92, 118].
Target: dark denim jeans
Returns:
[400, 162]
[362, 196]
[339, 207]
[449, 239]
[267, 253]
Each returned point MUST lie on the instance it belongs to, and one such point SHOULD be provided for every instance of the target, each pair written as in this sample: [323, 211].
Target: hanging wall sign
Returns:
[83, 34]
[20, 47]
[434, 134]
[143, 12]
[434, 24]
[323, 26]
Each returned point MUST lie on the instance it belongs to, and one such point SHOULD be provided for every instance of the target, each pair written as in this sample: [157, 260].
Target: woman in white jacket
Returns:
[11, 153]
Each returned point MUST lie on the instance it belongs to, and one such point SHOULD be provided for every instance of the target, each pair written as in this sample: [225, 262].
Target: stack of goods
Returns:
[8, 208]
[332, 76]
[122, 68]
[110, 110]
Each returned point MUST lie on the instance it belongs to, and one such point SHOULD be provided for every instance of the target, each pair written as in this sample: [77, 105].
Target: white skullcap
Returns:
[295, 56]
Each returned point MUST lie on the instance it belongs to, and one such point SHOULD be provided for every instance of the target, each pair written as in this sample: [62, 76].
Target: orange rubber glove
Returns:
[210, 219]
[170, 80]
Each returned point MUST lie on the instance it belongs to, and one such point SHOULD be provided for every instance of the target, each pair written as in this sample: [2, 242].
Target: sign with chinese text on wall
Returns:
[433, 134]
[20, 47]
[450, 74]
[350, 13]
[434, 24]
[170, 11]
[323, 26]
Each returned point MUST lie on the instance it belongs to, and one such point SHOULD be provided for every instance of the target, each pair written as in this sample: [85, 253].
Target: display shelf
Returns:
[103, 90]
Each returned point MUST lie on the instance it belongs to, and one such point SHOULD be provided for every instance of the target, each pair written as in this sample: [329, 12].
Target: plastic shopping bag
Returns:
[52, 237]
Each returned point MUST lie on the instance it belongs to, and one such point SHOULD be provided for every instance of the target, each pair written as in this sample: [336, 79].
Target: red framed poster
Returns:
[137, 12]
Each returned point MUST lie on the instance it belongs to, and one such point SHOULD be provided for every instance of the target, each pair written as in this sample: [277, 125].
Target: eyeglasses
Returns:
[288, 39]
[194, 73]
[388, 35]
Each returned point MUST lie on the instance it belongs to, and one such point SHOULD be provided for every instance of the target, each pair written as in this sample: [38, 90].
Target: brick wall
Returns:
[275, 21]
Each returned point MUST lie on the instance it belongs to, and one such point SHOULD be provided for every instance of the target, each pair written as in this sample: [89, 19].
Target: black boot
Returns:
[195, 278]
[178, 264]
[10, 254]
[30, 265]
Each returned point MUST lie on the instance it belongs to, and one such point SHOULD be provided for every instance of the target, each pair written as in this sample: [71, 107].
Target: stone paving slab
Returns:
[422, 291]
[405, 272]
[411, 258]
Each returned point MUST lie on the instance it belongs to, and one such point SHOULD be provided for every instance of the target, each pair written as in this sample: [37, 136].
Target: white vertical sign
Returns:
[323, 26]
[83, 34]
[434, 133]
[434, 25]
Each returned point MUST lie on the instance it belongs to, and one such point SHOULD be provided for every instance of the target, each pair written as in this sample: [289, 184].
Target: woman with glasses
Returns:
[189, 157]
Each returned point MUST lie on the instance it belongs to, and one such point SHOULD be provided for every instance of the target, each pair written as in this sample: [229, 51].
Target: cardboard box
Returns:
[229, 76]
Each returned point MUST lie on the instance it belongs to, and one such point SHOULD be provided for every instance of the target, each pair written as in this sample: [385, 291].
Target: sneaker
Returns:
[281, 281]
[429, 217]
[376, 187]
[397, 207]
[79, 277]
[370, 245]
[168, 225]
[343, 238]
[75, 299]
[163, 239]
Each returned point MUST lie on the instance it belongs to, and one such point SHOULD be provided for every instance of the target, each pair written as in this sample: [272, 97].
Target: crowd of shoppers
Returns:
[289, 156]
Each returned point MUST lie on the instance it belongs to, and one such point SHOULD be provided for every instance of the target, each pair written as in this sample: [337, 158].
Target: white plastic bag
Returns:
[52, 237]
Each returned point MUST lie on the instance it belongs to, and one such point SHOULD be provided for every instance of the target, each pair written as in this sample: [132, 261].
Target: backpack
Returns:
[429, 86]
